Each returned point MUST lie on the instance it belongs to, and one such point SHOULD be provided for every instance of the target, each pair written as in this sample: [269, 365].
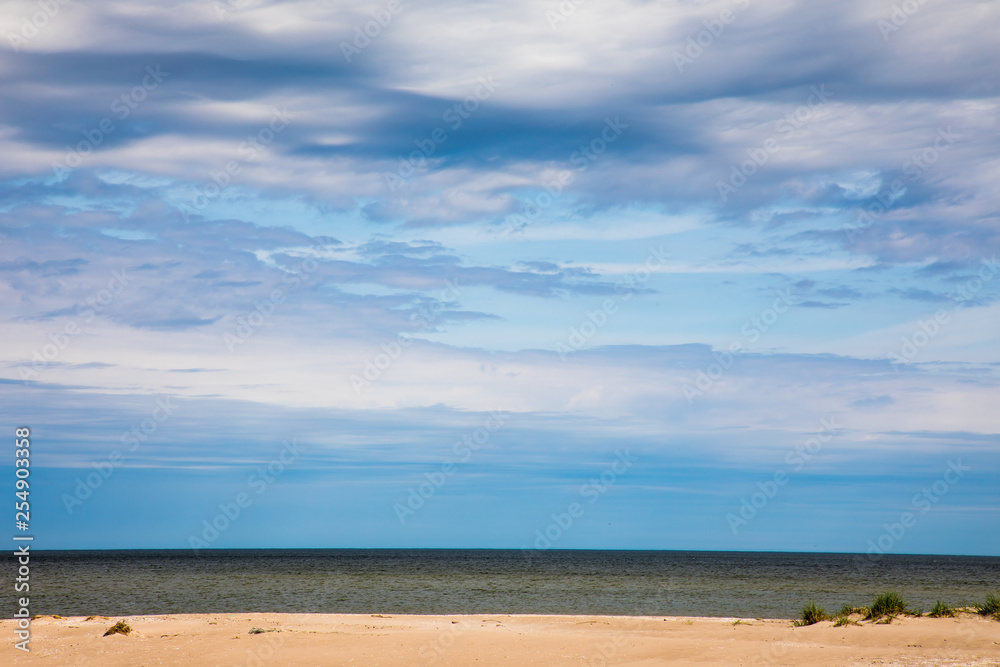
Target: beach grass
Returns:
[941, 610]
[812, 613]
[989, 608]
[887, 606]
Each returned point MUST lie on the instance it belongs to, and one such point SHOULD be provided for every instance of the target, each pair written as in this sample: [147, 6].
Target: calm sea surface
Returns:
[765, 585]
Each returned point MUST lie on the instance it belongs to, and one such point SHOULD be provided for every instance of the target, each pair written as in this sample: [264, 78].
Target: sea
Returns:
[481, 581]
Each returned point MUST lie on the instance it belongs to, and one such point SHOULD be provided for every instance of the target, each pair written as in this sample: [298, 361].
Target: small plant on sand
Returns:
[991, 607]
[120, 628]
[886, 606]
[844, 620]
[941, 610]
[812, 613]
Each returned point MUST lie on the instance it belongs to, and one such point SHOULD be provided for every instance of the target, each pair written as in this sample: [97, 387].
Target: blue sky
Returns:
[678, 275]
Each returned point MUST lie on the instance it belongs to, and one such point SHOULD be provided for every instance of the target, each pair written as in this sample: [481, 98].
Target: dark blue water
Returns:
[764, 585]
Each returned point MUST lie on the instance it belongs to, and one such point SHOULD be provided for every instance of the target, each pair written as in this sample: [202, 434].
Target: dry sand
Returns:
[352, 639]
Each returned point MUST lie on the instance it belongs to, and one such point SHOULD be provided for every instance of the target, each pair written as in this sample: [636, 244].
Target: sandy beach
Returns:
[352, 639]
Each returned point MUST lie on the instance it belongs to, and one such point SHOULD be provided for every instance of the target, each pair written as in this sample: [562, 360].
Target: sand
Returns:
[353, 639]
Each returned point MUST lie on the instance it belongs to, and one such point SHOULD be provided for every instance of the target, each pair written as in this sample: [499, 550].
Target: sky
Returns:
[706, 275]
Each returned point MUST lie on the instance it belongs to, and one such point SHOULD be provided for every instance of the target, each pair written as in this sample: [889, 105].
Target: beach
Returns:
[412, 640]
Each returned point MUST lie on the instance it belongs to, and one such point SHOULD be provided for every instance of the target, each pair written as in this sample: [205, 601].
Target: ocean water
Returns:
[678, 583]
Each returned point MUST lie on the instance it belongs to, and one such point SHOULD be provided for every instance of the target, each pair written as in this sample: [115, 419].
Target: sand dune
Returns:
[352, 639]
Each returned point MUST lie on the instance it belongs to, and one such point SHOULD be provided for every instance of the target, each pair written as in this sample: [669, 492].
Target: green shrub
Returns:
[886, 605]
[812, 613]
[941, 610]
[843, 620]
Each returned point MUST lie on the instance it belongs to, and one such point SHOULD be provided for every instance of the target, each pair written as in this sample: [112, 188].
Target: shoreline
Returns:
[500, 639]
